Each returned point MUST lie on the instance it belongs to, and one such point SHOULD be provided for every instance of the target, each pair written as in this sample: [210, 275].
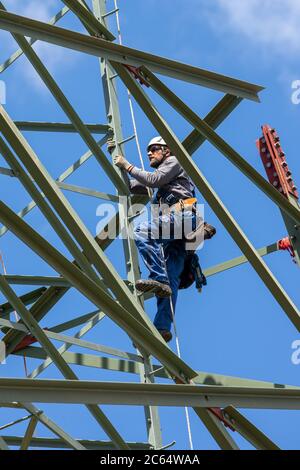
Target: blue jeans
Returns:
[165, 231]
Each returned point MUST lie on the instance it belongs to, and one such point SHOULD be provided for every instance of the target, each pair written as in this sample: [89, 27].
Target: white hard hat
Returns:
[157, 141]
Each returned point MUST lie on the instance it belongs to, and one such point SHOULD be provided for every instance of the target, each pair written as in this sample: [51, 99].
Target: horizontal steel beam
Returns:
[7, 172]
[125, 55]
[75, 322]
[238, 261]
[71, 340]
[91, 360]
[36, 280]
[132, 367]
[59, 127]
[88, 192]
[50, 443]
[119, 393]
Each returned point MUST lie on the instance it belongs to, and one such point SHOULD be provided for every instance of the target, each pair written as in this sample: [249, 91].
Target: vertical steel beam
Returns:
[129, 247]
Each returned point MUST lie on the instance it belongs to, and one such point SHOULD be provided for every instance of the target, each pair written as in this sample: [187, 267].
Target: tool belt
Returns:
[184, 205]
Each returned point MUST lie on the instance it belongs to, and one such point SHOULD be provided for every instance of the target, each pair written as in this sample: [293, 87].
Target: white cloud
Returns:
[53, 57]
[40, 10]
[271, 24]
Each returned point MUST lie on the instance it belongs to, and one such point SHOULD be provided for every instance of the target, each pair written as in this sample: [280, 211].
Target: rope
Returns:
[150, 195]
[130, 101]
[187, 416]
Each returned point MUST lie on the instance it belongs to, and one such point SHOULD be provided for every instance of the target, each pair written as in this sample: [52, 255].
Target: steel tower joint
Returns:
[280, 176]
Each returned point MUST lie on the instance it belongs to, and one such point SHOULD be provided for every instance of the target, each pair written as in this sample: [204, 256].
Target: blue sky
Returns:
[234, 327]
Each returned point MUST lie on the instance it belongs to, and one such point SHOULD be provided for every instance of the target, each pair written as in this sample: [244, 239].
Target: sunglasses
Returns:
[154, 148]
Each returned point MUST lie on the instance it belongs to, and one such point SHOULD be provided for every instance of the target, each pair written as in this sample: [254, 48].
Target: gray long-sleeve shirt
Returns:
[169, 178]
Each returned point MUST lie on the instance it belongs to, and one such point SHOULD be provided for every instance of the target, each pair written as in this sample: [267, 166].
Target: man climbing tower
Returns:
[161, 241]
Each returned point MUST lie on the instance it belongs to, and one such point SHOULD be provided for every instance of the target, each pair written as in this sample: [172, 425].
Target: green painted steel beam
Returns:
[83, 331]
[120, 365]
[69, 110]
[117, 393]
[3, 445]
[29, 433]
[13, 405]
[27, 299]
[62, 366]
[75, 340]
[250, 432]
[210, 378]
[216, 428]
[95, 294]
[36, 280]
[125, 55]
[211, 197]
[129, 247]
[59, 127]
[72, 221]
[39, 309]
[91, 360]
[19, 52]
[68, 325]
[214, 118]
[220, 144]
[89, 21]
[52, 426]
[266, 250]
[53, 294]
[50, 443]
[52, 218]
[88, 192]
[7, 172]
[68, 172]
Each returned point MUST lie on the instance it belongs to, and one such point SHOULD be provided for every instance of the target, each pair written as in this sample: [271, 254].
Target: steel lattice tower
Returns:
[214, 399]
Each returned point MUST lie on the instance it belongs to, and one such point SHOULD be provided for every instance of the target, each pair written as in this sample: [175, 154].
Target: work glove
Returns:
[121, 162]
